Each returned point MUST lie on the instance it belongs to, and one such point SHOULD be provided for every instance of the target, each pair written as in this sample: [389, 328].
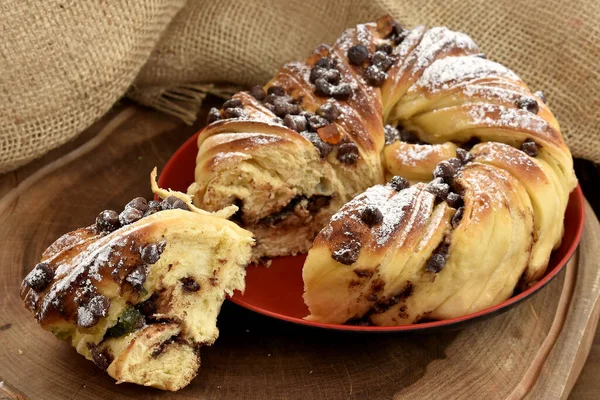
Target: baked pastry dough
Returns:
[439, 250]
[382, 101]
[397, 254]
[139, 292]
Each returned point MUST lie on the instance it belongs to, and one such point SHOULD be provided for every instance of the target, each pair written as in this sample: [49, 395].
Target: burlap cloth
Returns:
[64, 63]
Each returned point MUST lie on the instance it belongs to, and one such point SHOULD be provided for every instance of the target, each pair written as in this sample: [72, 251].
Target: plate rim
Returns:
[425, 326]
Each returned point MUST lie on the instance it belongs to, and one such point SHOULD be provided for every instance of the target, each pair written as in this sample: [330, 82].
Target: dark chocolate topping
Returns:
[40, 277]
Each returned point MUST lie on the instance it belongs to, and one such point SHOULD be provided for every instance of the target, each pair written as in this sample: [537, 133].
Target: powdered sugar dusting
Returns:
[234, 155]
[411, 155]
[364, 35]
[506, 117]
[494, 151]
[247, 140]
[393, 206]
[85, 317]
[506, 95]
[449, 71]
[436, 40]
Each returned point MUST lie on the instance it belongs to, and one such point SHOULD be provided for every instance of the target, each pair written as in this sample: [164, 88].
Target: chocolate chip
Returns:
[439, 188]
[332, 76]
[297, 123]
[326, 63]
[315, 122]
[232, 103]
[151, 253]
[375, 76]
[398, 183]
[153, 207]
[385, 47]
[457, 163]
[179, 205]
[148, 307]
[137, 277]
[40, 277]
[213, 115]
[457, 216]
[348, 254]
[173, 202]
[276, 90]
[101, 359]
[282, 107]
[528, 103]
[357, 54]
[445, 170]
[258, 93]
[189, 284]
[161, 347]
[323, 88]
[139, 203]
[436, 263]
[89, 314]
[108, 221]
[130, 215]
[371, 215]
[347, 153]
[454, 200]
[381, 60]
[530, 148]
[315, 139]
[408, 136]
[406, 290]
[317, 202]
[233, 113]
[343, 91]
[464, 156]
[316, 73]
[541, 95]
[329, 111]
[85, 319]
[391, 134]
[99, 305]
[363, 273]
[271, 99]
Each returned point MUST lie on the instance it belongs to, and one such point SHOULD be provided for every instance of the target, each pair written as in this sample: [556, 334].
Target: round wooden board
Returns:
[535, 350]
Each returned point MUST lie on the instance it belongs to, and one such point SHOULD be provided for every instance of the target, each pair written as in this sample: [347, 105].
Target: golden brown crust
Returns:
[439, 89]
[138, 293]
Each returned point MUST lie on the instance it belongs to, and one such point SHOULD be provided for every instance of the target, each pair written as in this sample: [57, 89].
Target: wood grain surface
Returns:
[536, 350]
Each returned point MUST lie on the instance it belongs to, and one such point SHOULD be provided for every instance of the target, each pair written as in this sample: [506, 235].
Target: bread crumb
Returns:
[20, 352]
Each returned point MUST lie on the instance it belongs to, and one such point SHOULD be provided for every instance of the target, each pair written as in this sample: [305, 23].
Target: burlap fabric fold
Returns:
[63, 63]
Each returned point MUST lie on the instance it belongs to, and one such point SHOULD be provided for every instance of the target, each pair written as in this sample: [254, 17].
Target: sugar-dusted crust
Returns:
[438, 254]
[396, 102]
[141, 299]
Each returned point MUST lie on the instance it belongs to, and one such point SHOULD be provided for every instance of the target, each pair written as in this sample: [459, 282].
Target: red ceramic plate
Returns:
[277, 290]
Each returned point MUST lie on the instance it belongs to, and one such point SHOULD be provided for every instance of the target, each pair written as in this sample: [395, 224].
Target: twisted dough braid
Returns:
[138, 293]
[396, 102]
